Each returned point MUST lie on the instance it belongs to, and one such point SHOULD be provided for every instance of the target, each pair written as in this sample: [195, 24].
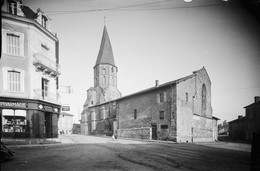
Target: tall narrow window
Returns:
[135, 114]
[14, 81]
[45, 87]
[13, 7]
[13, 44]
[44, 21]
[104, 80]
[187, 97]
[204, 99]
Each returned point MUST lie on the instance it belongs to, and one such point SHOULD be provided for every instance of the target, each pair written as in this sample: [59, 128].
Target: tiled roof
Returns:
[105, 55]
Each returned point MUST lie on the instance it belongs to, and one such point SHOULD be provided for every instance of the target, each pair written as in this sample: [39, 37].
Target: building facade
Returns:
[29, 70]
[244, 127]
[65, 123]
[179, 110]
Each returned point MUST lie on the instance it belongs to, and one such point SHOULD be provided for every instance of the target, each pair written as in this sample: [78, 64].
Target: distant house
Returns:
[65, 123]
[76, 128]
[243, 127]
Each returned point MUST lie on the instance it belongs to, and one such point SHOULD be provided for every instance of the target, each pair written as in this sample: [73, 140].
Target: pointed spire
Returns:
[105, 55]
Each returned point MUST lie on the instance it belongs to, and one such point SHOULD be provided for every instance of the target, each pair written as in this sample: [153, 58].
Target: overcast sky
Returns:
[159, 40]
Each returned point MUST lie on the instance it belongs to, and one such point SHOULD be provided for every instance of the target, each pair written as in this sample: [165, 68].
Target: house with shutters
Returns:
[178, 110]
[29, 73]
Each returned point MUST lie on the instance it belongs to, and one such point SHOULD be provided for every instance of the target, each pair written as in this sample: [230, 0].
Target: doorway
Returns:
[48, 125]
[154, 131]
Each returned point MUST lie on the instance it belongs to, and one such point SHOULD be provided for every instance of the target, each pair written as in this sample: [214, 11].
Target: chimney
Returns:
[156, 83]
[240, 116]
[257, 99]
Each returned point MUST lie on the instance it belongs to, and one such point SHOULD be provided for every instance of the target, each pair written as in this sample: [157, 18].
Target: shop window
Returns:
[20, 120]
[14, 120]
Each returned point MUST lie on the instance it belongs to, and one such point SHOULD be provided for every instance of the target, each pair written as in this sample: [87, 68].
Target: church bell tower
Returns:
[105, 70]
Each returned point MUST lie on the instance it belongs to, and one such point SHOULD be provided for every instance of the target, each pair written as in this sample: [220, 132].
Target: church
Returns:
[179, 110]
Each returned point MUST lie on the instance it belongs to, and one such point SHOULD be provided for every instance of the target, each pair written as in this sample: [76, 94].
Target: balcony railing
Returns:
[46, 96]
[45, 64]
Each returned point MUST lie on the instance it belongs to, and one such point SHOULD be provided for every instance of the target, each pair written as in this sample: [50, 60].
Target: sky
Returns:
[159, 40]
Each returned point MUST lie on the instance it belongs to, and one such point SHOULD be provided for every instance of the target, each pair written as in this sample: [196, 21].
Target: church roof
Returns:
[105, 55]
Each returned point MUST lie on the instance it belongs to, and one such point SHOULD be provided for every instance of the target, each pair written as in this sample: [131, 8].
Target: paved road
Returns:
[79, 152]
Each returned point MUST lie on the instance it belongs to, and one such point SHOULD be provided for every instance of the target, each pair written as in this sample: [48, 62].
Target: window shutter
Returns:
[5, 42]
[158, 98]
[21, 39]
[164, 94]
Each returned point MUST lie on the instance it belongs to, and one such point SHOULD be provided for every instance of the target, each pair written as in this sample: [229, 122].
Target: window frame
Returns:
[6, 82]
[160, 114]
[5, 42]
[14, 81]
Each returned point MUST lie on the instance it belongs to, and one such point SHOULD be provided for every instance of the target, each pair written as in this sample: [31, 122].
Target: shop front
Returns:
[28, 118]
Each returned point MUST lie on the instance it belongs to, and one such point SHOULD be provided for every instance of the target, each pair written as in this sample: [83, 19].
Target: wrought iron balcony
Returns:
[46, 96]
[46, 65]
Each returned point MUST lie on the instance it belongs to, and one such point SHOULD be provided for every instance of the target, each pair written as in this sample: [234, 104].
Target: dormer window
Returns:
[12, 7]
[44, 21]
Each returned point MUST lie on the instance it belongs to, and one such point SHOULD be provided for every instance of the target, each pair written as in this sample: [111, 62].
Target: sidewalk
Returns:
[30, 141]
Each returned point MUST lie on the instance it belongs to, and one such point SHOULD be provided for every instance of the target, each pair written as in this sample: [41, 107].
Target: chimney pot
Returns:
[156, 83]
[257, 99]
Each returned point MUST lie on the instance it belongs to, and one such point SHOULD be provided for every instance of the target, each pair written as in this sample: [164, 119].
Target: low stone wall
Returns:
[138, 133]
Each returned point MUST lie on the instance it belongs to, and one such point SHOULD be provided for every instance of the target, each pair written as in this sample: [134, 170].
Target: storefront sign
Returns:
[32, 105]
[13, 104]
[65, 108]
[48, 108]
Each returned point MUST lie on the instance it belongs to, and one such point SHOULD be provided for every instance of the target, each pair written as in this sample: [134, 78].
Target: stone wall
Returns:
[138, 133]
[147, 106]
[189, 103]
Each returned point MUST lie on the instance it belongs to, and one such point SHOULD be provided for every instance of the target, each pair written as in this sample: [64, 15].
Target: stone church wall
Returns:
[189, 103]
[147, 109]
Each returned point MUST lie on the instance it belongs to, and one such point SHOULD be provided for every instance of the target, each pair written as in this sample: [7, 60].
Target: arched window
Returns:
[204, 99]
[104, 80]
